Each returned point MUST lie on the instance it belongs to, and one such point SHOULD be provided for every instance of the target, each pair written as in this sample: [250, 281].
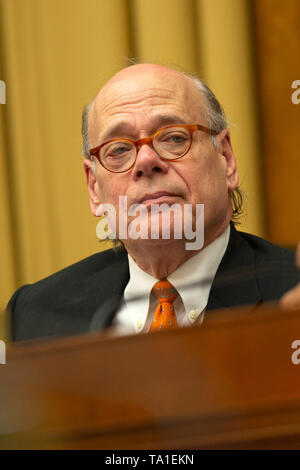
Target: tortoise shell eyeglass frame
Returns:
[191, 128]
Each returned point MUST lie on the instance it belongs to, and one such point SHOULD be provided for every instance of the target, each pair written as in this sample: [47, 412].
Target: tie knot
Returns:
[164, 291]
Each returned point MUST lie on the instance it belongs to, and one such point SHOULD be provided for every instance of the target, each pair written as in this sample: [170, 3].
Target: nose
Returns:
[148, 162]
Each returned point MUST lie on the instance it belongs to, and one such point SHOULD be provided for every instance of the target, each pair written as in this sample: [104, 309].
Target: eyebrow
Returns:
[125, 128]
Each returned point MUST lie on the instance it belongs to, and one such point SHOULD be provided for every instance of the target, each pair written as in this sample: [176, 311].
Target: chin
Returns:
[163, 244]
[151, 229]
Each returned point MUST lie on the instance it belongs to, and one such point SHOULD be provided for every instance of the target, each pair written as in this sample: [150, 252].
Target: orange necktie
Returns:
[164, 315]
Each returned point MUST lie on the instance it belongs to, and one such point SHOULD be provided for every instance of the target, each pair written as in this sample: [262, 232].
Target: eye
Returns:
[117, 149]
[178, 138]
[174, 137]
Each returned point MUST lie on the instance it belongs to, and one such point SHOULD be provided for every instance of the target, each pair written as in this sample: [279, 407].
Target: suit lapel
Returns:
[235, 282]
[103, 290]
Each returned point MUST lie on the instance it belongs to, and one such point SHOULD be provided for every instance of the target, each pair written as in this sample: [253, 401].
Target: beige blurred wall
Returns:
[54, 56]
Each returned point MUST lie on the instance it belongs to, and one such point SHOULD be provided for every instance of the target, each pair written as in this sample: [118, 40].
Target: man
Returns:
[155, 136]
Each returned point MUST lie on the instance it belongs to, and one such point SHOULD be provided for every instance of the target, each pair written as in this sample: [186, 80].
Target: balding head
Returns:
[145, 75]
[136, 83]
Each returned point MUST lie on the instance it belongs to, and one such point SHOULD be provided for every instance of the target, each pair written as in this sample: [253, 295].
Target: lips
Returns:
[154, 196]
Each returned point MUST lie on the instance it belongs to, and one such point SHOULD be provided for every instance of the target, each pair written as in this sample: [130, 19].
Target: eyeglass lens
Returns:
[169, 143]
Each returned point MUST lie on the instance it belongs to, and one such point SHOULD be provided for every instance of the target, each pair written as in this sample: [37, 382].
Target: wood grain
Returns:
[229, 384]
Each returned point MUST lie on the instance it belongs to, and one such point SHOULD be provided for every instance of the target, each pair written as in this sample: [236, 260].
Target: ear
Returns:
[226, 150]
[92, 185]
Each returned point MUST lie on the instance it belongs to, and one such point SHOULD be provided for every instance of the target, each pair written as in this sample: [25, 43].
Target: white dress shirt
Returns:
[193, 280]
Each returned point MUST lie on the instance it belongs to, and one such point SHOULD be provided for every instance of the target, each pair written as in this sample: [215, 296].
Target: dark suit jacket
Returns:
[85, 296]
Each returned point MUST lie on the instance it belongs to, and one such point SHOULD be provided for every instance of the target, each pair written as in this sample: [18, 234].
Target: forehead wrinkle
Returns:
[132, 98]
[112, 105]
[126, 128]
[116, 100]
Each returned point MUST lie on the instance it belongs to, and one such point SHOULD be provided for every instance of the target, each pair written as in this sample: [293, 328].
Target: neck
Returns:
[159, 260]
[162, 258]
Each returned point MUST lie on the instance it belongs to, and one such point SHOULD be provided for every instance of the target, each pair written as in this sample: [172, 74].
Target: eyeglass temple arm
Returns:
[207, 130]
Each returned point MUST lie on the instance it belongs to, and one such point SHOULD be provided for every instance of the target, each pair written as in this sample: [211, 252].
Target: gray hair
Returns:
[214, 112]
[85, 129]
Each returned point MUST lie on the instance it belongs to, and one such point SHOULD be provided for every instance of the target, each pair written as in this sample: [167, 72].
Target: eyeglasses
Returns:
[170, 143]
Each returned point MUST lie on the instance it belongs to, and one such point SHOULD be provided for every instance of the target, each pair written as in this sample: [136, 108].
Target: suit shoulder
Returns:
[265, 250]
[271, 268]
[86, 266]
[69, 278]
[275, 266]
[62, 303]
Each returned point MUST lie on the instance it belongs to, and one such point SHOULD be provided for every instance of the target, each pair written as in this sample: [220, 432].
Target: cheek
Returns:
[115, 190]
[207, 179]
[110, 187]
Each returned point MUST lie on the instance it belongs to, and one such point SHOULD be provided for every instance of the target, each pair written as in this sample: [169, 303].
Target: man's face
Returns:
[134, 104]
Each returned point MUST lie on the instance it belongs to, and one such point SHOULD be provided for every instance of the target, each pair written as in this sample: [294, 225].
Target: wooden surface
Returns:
[230, 384]
[277, 29]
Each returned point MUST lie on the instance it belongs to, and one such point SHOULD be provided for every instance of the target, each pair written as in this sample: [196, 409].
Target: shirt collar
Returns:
[193, 279]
